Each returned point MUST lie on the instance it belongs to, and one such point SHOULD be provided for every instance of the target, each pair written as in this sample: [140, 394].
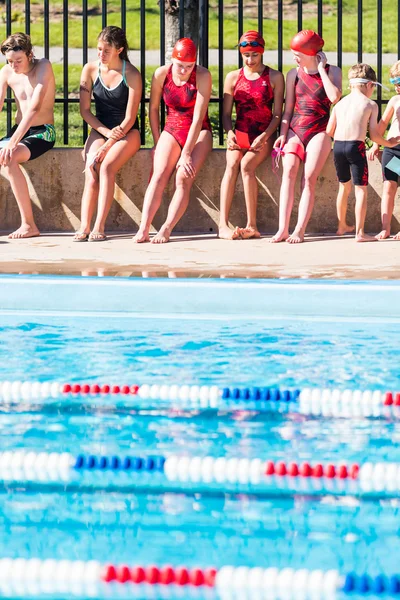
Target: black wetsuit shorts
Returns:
[387, 155]
[351, 162]
[38, 139]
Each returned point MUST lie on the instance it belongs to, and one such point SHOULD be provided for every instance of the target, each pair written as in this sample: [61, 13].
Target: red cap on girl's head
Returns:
[185, 50]
[251, 41]
[308, 42]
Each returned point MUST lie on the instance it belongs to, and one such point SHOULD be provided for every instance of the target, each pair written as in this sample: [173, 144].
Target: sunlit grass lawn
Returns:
[75, 130]
[389, 25]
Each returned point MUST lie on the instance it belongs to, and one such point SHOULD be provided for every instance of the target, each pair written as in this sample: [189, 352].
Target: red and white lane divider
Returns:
[46, 578]
[313, 402]
[31, 391]
[207, 472]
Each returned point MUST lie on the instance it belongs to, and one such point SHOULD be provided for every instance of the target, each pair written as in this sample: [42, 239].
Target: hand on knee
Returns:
[182, 180]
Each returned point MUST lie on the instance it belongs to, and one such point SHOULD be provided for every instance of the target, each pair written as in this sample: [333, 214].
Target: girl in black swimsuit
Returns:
[116, 86]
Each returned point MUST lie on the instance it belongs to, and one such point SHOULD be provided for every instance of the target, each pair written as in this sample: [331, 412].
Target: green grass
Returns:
[75, 120]
[389, 25]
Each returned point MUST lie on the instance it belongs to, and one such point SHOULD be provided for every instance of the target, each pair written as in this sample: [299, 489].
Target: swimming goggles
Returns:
[254, 44]
[355, 80]
[395, 80]
[11, 49]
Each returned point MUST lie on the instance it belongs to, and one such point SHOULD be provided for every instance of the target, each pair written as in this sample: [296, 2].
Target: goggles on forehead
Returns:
[395, 80]
[11, 48]
[355, 80]
[254, 44]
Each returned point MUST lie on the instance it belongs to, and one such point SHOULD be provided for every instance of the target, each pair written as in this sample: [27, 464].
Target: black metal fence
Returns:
[259, 7]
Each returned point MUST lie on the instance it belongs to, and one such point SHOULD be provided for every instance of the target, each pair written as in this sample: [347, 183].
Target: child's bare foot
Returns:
[397, 236]
[363, 237]
[280, 236]
[385, 233]
[296, 238]
[249, 232]
[25, 231]
[162, 236]
[343, 229]
[226, 233]
[141, 236]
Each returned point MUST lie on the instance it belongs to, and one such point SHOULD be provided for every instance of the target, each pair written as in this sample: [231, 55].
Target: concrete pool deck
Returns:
[327, 257]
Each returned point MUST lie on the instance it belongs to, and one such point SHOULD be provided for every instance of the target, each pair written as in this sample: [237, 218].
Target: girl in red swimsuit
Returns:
[257, 92]
[185, 141]
[311, 88]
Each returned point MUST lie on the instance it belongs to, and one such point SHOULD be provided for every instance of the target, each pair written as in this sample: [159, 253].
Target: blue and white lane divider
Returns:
[315, 402]
[199, 473]
[42, 578]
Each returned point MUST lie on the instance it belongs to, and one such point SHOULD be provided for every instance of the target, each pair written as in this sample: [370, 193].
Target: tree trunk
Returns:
[191, 26]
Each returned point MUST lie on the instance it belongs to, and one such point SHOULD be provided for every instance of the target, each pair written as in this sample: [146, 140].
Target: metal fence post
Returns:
[8, 32]
[220, 67]
[65, 70]
[143, 70]
[181, 18]
[203, 47]
[360, 31]
[339, 32]
[379, 54]
[85, 52]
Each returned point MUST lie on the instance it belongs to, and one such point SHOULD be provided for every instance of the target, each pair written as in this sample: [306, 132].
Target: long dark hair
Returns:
[115, 36]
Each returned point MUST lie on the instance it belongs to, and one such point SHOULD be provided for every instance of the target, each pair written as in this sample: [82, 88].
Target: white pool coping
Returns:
[199, 298]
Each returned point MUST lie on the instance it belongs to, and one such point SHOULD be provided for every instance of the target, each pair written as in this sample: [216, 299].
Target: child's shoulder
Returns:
[394, 100]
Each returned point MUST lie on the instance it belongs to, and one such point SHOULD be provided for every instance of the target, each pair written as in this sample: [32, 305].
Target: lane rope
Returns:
[50, 576]
[209, 471]
[307, 401]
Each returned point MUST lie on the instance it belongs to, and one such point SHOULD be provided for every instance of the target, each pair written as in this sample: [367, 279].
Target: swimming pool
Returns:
[198, 512]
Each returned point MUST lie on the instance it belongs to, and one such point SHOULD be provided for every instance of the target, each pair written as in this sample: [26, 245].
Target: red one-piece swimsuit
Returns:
[253, 100]
[180, 101]
[311, 109]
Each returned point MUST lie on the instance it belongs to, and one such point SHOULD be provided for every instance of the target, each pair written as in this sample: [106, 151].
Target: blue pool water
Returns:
[330, 336]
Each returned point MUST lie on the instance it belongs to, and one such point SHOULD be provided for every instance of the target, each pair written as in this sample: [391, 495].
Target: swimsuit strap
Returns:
[123, 75]
[98, 73]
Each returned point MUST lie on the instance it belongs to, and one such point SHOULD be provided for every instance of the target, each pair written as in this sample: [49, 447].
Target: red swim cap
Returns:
[185, 50]
[251, 41]
[308, 42]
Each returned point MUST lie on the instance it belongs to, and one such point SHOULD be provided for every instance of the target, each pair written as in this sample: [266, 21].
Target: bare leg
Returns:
[20, 190]
[291, 164]
[318, 150]
[228, 183]
[341, 208]
[91, 189]
[180, 199]
[361, 212]
[249, 164]
[115, 158]
[165, 158]
[387, 205]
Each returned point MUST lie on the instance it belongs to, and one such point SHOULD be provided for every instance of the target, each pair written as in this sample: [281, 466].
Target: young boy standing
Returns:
[33, 84]
[390, 156]
[348, 125]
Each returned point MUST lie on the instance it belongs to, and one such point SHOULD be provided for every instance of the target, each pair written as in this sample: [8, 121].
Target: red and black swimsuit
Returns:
[311, 109]
[180, 102]
[253, 100]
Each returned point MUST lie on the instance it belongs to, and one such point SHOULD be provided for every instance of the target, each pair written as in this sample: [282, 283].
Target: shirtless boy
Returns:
[390, 177]
[33, 84]
[348, 125]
